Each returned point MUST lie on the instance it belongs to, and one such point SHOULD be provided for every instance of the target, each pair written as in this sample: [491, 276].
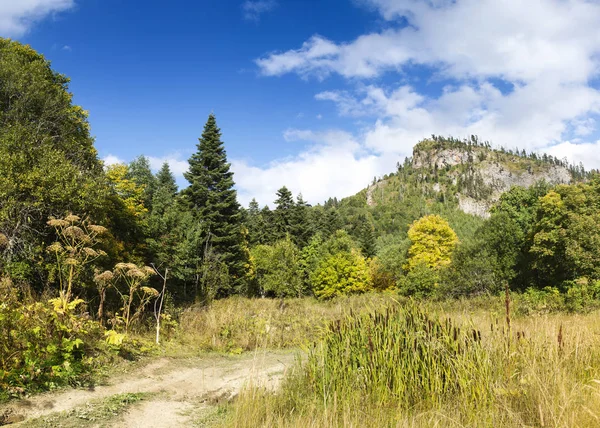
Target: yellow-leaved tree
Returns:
[128, 190]
[432, 242]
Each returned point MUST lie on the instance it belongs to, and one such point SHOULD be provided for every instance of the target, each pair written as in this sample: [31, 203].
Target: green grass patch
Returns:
[95, 413]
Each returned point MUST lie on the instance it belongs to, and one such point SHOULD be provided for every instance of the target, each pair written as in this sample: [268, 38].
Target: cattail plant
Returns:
[401, 356]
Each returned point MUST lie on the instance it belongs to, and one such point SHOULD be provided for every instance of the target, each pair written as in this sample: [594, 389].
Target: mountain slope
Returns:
[458, 179]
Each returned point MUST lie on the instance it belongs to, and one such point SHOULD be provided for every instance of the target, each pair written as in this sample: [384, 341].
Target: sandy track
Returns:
[183, 384]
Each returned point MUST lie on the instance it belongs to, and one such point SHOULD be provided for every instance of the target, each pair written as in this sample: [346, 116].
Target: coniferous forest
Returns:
[97, 260]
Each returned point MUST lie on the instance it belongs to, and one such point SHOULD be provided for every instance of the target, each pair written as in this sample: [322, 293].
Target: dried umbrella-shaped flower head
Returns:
[90, 252]
[57, 222]
[104, 277]
[55, 248]
[3, 240]
[149, 271]
[150, 291]
[74, 232]
[125, 266]
[72, 218]
[99, 230]
[136, 273]
[70, 261]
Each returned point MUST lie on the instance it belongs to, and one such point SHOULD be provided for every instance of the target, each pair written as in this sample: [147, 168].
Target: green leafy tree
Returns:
[310, 257]
[422, 280]
[128, 190]
[392, 251]
[276, 269]
[213, 201]
[341, 273]
[48, 163]
[566, 234]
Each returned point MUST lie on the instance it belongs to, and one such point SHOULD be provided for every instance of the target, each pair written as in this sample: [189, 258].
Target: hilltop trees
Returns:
[213, 202]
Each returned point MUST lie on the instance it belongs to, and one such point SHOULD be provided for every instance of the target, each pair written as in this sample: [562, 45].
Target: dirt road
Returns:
[179, 389]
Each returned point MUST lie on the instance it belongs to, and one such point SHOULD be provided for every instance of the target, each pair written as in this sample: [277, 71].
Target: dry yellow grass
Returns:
[544, 372]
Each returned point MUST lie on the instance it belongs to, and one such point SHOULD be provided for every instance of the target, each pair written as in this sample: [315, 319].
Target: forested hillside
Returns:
[78, 237]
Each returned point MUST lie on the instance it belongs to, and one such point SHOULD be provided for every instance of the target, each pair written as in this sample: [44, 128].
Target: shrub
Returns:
[42, 344]
[421, 281]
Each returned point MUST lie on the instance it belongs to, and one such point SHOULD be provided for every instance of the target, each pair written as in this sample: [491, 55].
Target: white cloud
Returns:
[18, 16]
[586, 153]
[67, 48]
[178, 166]
[336, 165]
[254, 9]
[112, 160]
[511, 39]
[517, 73]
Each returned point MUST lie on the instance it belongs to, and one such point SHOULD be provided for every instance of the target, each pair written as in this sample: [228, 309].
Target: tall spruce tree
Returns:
[213, 202]
[253, 221]
[302, 229]
[139, 171]
[165, 180]
[284, 205]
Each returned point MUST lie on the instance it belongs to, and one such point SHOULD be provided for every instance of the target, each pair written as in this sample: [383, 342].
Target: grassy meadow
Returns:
[376, 360]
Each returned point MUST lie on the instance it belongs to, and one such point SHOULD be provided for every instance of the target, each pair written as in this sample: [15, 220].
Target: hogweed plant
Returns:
[73, 250]
[134, 278]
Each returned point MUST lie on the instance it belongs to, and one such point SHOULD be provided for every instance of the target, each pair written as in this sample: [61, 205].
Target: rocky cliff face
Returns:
[489, 172]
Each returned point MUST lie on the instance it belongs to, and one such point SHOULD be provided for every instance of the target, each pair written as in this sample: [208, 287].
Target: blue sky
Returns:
[322, 95]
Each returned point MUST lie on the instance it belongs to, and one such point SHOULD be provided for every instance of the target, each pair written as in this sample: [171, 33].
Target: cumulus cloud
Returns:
[516, 73]
[512, 39]
[335, 165]
[176, 163]
[112, 160]
[18, 16]
[253, 10]
[585, 153]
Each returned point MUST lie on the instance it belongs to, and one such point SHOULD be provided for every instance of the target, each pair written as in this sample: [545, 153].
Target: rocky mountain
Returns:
[470, 173]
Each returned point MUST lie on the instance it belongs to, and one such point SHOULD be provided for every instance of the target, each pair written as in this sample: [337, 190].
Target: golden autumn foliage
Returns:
[432, 242]
[128, 190]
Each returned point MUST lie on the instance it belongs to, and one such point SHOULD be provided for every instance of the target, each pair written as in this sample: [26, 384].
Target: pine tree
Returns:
[301, 226]
[253, 220]
[283, 212]
[268, 232]
[213, 201]
[166, 180]
[141, 174]
[366, 236]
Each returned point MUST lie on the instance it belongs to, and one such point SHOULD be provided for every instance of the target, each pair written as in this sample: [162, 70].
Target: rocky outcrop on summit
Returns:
[485, 174]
